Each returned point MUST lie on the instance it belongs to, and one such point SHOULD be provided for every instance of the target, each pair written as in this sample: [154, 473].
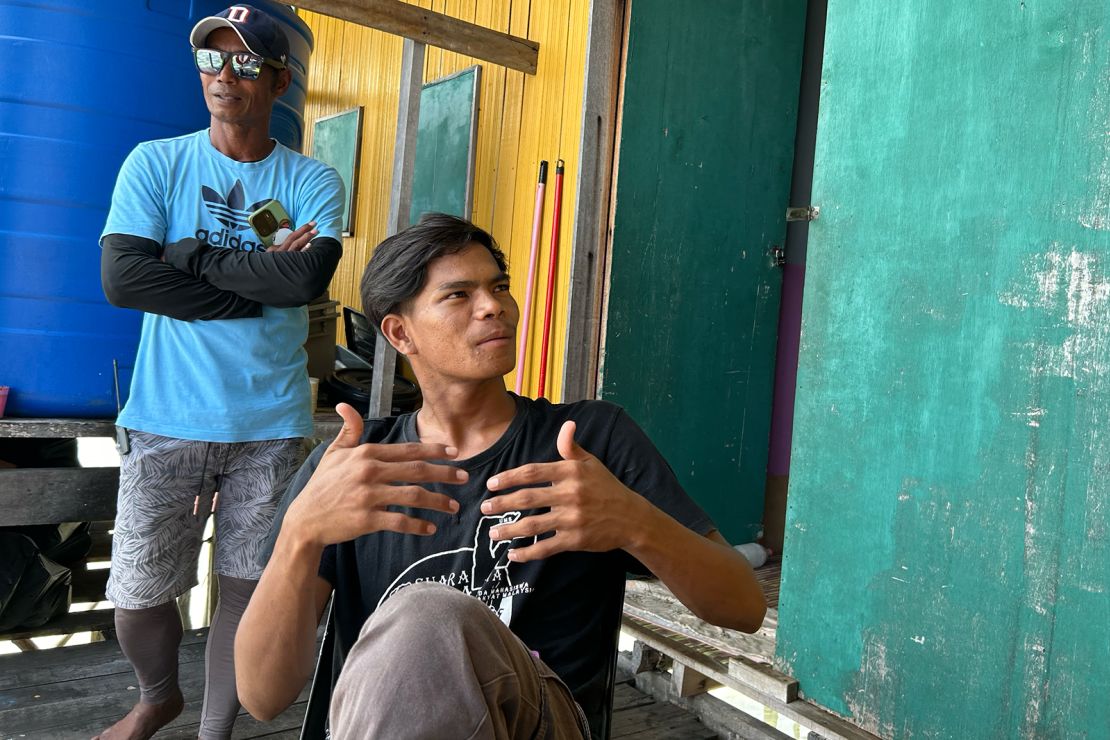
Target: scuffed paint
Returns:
[876, 679]
[1097, 215]
[1070, 285]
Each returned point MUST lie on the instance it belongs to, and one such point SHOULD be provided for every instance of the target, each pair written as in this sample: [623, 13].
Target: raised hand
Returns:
[348, 494]
[298, 240]
[589, 508]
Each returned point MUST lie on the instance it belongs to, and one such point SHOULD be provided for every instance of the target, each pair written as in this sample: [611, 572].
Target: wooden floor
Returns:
[74, 692]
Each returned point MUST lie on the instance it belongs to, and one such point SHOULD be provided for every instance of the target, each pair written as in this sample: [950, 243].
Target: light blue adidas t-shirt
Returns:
[229, 380]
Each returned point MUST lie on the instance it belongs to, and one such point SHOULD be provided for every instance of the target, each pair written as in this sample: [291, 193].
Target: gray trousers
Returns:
[433, 662]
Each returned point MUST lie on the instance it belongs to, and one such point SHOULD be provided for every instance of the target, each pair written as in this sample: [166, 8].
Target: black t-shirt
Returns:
[566, 607]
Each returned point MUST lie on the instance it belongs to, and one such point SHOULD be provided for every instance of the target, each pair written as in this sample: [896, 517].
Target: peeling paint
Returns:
[876, 679]
[1069, 285]
[1097, 215]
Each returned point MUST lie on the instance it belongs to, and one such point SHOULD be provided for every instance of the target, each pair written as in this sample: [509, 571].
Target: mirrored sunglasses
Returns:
[244, 64]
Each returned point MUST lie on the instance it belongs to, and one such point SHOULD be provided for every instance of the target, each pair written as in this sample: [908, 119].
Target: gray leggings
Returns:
[150, 639]
[433, 662]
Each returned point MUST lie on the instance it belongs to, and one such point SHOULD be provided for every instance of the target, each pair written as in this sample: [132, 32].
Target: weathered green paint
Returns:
[707, 134]
[947, 557]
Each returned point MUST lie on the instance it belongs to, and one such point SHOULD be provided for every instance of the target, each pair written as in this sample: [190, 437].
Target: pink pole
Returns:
[557, 214]
[537, 223]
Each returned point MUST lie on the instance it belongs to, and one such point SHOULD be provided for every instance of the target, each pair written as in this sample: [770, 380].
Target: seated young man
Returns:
[477, 548]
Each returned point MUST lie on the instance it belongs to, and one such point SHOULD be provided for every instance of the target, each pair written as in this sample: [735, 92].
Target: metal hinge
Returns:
[803, 213]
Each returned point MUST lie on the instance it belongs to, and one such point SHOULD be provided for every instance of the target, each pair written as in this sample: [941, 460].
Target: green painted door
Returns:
[946, 566]
[705, 155]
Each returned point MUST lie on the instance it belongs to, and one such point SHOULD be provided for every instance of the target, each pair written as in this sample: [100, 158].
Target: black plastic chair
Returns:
[315, 724]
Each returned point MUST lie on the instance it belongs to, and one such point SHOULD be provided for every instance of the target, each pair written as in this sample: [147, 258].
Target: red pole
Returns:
[552, 264]
[537, 223]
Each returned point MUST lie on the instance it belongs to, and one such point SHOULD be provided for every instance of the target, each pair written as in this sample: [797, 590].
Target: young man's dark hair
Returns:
[397, 268]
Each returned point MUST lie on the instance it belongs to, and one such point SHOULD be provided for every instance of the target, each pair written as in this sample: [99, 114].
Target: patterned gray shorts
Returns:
[167, 489]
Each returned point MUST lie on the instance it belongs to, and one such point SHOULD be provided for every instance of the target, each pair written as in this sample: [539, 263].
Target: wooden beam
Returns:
[724, 719]
[400, 206]
[52, 495]
[826, 724]
[327, 425]
[434, 29]
[689, 682]
[646, 658]
[57, 428]
[94, 620]
[595, 191]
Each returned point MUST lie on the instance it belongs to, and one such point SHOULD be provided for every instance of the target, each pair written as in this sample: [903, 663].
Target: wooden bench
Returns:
[56, 495]
[701, 656]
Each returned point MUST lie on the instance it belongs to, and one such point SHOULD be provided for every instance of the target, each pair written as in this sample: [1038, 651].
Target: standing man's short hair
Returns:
[399, 264]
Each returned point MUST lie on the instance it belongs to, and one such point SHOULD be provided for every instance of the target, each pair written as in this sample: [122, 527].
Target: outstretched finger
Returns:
[525, 475]
[520, 500]
[542, 549]
[407, 451]
[418, 471]
[394, 522]
[535, 525]
[568, 448]
[415, 497]
[351, 432]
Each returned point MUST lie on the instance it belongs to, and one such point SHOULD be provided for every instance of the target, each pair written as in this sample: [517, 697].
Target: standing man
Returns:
[219, 400]
[477, 548]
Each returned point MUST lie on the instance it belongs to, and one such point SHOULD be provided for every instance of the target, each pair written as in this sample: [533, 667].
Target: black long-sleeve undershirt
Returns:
[197, 281]
[279, 279]
[134, 276]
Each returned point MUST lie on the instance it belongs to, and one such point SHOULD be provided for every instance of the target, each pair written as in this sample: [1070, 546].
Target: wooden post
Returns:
[400, 204]
[594, 188]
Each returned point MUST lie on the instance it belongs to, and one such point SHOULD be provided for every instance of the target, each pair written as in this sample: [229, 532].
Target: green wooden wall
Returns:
[947, 554]
[706, 147]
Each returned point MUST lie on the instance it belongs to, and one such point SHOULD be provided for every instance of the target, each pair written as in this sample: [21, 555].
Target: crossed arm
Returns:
[189, 280]
[353, 487]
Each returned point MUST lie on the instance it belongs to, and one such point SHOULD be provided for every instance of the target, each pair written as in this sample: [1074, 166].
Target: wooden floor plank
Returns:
[74, 692]
[626, 696]
[94, 620]
[27, 670]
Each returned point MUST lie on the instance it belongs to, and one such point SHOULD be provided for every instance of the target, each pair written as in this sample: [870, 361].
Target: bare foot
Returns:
[144, 720]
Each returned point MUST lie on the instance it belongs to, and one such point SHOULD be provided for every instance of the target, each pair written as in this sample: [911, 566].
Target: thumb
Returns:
[568, 448]
[351, 432]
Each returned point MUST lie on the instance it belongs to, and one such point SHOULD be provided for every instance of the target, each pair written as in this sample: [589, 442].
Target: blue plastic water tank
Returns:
[82, 83]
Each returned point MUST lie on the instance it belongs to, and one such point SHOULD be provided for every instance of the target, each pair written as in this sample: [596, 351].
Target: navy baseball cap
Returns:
[258, 30]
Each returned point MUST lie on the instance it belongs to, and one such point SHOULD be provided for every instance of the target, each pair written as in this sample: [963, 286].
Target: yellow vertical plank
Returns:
[490, 14]
[504, 208]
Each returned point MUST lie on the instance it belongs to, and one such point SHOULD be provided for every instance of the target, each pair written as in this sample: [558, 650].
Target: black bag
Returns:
[33, 588]
[67, 544]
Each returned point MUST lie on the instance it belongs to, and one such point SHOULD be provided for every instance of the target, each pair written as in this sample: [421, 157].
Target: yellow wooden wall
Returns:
[522, 119]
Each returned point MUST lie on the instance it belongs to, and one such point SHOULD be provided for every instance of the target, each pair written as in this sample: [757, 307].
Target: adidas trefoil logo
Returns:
[232, 216]
[229, 211]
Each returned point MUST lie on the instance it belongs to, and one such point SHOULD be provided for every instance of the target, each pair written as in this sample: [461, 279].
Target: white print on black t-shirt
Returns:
[487, 578]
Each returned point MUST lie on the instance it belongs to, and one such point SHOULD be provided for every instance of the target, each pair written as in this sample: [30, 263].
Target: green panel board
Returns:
[336, 140]
[444, 170]
[707, 136]
[947, 558]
